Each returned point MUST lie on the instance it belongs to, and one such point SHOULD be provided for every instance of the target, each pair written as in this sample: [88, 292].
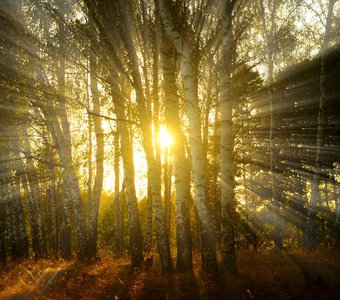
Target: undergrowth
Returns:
[260, 276]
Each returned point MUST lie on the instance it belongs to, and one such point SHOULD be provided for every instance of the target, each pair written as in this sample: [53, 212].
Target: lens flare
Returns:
[165, 139]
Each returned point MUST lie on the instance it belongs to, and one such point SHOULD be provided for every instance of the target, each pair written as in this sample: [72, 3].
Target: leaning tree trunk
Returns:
[206, 232]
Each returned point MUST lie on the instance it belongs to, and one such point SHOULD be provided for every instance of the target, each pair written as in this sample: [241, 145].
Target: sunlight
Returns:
[165, 139]
[108, 181]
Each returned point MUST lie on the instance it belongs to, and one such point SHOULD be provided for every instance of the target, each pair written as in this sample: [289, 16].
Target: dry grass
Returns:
[29, 276]
[260, 276]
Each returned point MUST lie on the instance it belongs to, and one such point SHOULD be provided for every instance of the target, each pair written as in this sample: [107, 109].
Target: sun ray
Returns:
[165, 138]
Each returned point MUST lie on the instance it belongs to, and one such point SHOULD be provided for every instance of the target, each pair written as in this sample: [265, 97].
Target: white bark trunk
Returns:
[181, 166]
[207, 240]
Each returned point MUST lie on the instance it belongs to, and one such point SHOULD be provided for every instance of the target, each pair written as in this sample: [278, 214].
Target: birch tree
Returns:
[98, 181]
[181, 165]
[269, 26]
[226, 145]
[207, 240]
[320, 138]
[153, 162]
[129, 177]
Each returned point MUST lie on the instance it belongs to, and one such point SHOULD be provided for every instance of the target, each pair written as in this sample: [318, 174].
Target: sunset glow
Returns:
[164, 138]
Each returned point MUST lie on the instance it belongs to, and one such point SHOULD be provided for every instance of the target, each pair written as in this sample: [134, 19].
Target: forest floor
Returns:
[260, 276]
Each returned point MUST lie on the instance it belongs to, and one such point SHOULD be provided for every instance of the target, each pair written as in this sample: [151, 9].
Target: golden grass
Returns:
[260, 276]
[28, 276]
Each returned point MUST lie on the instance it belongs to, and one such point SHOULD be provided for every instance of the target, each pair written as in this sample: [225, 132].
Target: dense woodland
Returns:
[182, 132]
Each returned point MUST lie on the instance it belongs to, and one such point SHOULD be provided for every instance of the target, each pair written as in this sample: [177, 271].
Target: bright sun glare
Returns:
[164, 137]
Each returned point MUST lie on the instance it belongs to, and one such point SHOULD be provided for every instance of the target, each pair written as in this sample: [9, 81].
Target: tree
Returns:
[226, 145]
[320, 139]
[207, 240]
[181, 165]
[94, 201]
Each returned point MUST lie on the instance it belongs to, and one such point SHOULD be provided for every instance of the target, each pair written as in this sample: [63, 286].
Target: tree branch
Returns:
[111, 118]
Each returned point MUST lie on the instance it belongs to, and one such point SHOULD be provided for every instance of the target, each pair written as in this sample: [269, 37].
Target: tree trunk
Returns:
[215, 189]
[337, 216]
[66, 223]
[22, 241]
[167, 189]
[136, 244]
[152, 161]
[206, 232]
[12, 234]
[118, 199]
[54, 239]
[270, 33]
[3, 210]
[228, 263]
[72, 196]
[98, 181]
[320, 138]
[181, 166]
[2, 231]
[62, 138]
[32, 216]
[148, 219]
[35, 192]
[18, 168]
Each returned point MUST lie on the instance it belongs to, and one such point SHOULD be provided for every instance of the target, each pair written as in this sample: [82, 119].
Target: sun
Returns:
[165, 139]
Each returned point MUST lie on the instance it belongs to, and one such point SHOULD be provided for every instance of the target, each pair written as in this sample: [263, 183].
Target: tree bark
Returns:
[320, 135]
[269, 31]
[2, 229]
[206, 232]
[98, 181]
[148, 218]
[136, 243]
[337, 215]
[118, 198]
[60, 129]
[36, 211]
[3, 207]
[181, 165]
[228, 263]
[153, 162]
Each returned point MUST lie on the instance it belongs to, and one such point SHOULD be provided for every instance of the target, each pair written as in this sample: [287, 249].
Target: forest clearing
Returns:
[169, 149]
